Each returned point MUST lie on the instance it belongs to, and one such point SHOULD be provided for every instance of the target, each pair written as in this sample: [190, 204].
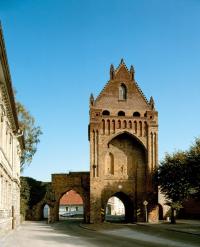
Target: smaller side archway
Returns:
[41, 211]
[46, 212]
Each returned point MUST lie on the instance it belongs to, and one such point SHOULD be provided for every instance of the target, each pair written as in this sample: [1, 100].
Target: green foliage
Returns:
[173, 177]
[24, 195]
[179, 175]
[31, 134]
[193, 160]
[31, 192]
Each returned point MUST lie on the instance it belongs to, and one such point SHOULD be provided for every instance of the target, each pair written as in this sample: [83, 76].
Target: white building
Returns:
[11, 145]
[71, 204]
[115, 206]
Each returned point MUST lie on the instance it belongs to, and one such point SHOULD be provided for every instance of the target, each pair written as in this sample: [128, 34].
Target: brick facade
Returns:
[123, 137]
[60, 184]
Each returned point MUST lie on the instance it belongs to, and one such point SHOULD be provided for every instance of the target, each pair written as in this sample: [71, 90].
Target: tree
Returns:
[31, 192]
[173, 179]
[179, 176]
[31, 134]
[193, 161]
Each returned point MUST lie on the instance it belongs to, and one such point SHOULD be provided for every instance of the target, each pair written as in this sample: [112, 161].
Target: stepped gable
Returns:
[122, 72]
[121, 75]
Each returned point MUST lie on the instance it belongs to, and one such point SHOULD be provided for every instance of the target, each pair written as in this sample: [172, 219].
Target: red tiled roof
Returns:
[71, 197]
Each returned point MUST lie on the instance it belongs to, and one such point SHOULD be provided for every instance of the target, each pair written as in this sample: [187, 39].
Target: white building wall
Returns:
[115, 206]
[76, 209]
[9, 175]
[9, 149]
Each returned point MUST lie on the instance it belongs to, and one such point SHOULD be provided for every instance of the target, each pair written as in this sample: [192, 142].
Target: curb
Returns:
[87, 228]
[172, 229]
[182, 231]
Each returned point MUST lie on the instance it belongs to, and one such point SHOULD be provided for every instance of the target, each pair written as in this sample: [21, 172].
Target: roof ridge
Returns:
[119, 66]
[102, 91]
[140, 90]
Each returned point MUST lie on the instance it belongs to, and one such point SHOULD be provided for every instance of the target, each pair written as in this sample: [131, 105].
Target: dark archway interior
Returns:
[160, 212]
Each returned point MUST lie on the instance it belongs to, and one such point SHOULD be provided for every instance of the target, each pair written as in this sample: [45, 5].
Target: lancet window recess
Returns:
[140, 126]
[135, 127]
[108, 127]
[119, 124]
[103, 126]
[124, 124]
[113, 126]
[145, 128]
[95, 152]
[122, 92]
[152, 151]
[110, 164]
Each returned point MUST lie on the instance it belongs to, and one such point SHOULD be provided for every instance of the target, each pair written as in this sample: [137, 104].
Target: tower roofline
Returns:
[122, 63]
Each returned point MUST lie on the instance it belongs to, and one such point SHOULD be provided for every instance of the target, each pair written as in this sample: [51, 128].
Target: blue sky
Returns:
[60, 51]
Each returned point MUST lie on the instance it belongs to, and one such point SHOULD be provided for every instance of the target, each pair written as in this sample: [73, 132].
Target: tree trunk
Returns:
[173, 219]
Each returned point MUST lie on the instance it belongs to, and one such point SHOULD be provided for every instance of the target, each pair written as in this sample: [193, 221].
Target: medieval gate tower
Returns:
[123, 136]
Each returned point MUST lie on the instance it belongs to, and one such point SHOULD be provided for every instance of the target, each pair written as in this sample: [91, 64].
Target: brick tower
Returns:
[123, 134]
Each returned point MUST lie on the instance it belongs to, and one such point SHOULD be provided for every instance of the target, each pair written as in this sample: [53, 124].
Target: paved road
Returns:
[70, 234]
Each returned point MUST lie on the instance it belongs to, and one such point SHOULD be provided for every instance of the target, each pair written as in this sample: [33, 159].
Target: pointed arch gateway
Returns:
[130, 157]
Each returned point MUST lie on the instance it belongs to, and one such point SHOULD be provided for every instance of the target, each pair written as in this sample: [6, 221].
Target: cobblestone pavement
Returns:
[70, 234]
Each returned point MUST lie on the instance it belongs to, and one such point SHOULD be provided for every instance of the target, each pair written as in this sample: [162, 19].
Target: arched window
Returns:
[136, 114]
[121, 113]
[105, 113]
[122, 92]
